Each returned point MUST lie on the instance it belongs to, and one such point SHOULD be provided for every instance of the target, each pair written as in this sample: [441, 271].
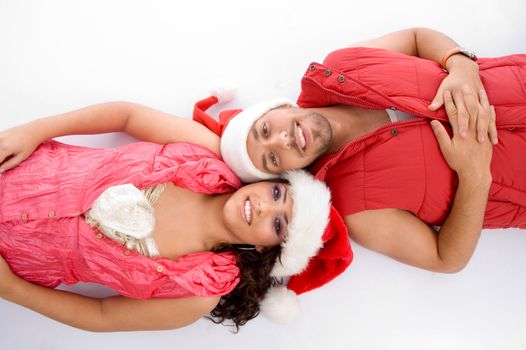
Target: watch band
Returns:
[468, 53]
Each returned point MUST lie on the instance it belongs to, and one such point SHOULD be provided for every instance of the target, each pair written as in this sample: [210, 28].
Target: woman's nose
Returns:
[269, 207]
[260, 208]
[264, 208]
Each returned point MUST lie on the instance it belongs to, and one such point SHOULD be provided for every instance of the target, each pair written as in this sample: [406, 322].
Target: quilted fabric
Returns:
[400, 165]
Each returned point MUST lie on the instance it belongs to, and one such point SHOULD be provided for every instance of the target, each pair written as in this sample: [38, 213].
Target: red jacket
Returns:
[400, 165]
[45, 239]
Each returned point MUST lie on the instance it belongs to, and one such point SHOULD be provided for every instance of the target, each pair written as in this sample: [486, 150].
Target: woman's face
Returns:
[259, 213]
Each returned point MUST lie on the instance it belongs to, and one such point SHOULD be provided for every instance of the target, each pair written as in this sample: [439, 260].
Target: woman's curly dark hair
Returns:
[242, 304]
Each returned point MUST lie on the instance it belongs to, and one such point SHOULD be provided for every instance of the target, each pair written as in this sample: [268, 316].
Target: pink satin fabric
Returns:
[45, 240]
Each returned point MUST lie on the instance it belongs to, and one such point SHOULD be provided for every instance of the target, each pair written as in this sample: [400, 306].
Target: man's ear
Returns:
[260, 248]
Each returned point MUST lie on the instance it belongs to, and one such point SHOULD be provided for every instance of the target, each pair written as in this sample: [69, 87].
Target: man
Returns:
[388, 178]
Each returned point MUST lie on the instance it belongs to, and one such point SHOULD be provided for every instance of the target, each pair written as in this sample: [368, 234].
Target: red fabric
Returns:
[335, 256]
[213, 125]
[201, 117]
[225, 117]
[45, 239]
[400, 165]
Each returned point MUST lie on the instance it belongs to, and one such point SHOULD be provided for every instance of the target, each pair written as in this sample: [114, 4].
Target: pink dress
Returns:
[46, 240]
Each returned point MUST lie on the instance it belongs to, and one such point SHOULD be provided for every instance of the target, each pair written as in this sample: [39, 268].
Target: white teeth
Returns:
[301, 137]
[248, 211]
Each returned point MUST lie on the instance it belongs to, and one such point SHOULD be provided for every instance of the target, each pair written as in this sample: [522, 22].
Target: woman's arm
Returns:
[111, 314]
[404, 237]
[463, 72]
[144, 123]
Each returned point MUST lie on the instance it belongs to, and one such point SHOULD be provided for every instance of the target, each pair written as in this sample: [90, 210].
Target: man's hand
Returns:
[16, 144]
[465, 87]
[463, 153]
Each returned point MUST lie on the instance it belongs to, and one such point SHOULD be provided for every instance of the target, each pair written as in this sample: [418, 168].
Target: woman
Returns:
[72, 214]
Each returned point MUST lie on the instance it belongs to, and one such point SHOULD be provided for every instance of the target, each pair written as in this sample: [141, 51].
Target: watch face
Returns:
[469, 54]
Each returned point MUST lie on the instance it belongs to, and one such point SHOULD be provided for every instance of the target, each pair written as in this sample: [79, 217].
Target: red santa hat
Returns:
[234, 132]
[316, 250]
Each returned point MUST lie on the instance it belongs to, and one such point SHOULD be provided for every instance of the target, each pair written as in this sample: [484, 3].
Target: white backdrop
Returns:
[60, 55]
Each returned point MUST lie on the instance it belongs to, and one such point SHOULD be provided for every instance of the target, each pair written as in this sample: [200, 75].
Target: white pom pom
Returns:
[281, 305]
[224, 90]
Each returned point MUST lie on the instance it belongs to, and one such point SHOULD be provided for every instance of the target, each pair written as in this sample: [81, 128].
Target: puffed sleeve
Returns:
[198, 169]
[200, 274]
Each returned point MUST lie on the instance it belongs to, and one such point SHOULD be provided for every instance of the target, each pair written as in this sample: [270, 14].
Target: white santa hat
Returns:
[315, 251]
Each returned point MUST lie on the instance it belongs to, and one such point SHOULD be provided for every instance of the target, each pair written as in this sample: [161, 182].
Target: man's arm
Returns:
[463, 72]
[404, 237]
[111, 314]
[421, 42]
[142, 122]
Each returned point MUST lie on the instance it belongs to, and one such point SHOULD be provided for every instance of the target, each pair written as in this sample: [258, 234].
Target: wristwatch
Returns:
[468, 53]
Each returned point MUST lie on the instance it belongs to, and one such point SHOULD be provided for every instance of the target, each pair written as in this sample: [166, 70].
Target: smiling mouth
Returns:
[248, 211]
[300, 136]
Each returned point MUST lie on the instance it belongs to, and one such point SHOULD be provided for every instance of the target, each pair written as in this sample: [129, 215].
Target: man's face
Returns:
[288, 138]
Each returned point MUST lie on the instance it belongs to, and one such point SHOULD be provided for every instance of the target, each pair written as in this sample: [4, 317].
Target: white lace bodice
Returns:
[125, 214]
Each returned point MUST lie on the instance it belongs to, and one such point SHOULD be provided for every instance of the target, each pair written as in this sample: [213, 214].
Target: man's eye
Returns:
[273, 159]
[276, 193]
[265, 130]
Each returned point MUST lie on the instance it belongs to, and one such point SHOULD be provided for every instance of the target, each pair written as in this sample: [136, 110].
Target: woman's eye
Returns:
[277, 226]
[273, 159]
[265, 130]
[276, 193]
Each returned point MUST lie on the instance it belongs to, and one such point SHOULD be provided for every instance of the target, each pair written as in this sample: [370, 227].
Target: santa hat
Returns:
[316, 250]
[234, 132]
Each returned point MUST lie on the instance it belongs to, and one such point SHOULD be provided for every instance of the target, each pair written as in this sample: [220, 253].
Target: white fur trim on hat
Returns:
[234, 140]
[280, 305]
[310, 211]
